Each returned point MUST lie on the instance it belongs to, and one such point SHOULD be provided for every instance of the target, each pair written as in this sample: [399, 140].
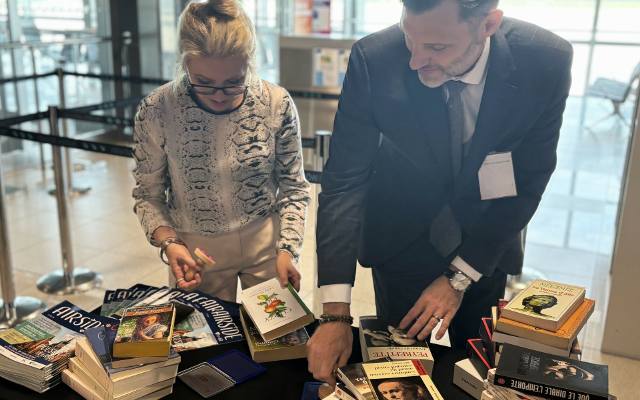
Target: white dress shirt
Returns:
[471, 99]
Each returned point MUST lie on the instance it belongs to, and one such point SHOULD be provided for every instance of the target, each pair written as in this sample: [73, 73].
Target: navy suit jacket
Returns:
[389, 168]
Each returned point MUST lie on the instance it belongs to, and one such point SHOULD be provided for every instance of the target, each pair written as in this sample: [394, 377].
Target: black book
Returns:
[550, 376]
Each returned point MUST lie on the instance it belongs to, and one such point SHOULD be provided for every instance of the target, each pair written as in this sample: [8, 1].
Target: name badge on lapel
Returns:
[496, 177]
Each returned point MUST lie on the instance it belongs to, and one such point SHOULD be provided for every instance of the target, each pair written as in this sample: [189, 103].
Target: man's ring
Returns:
[436, 317]
[180, 280]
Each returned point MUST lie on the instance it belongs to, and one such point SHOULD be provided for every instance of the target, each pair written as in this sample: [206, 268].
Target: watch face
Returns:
[460, 282]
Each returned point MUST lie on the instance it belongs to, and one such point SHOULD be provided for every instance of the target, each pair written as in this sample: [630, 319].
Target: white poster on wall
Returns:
[329, 67]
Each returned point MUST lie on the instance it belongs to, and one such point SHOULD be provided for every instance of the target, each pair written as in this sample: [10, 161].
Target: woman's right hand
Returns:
[183, 266]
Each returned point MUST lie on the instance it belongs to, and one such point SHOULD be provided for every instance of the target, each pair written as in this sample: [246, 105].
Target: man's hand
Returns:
[438, 301]
[286, 271]
[183, 266]
[330, 346]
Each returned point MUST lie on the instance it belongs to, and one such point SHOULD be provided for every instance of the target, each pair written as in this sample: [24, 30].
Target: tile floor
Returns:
[570, 238]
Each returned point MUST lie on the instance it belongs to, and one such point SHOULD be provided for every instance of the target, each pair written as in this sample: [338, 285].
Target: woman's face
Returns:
[222, 72]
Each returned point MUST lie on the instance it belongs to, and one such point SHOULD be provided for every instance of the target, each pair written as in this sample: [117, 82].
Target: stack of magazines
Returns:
[35, 352]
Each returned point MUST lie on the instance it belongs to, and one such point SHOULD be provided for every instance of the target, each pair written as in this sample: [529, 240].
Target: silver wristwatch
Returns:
[458, 280]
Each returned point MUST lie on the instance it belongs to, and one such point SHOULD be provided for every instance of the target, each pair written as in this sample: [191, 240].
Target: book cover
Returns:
[407, 377]
[343, 393]
[212, 322]
[478, 356]
[486, 334]
[550, 376]
[274, 310]
[562, 338]
[544, 304]
[290, 346]
[145, 331]
[379, 340]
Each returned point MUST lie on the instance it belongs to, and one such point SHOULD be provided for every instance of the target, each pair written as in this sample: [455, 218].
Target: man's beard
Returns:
[458, 67]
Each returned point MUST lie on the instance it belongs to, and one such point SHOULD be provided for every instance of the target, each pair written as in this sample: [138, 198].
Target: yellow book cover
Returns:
[401, 379]
[145, 331]
[544, 304]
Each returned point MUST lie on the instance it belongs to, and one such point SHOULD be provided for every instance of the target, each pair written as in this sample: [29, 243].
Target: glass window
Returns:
[374, 15]
[619, 21]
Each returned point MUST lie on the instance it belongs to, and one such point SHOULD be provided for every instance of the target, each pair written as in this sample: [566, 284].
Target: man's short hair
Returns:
[468, 8]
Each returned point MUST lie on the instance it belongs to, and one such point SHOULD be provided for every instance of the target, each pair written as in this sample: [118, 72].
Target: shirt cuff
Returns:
[466, 269]
[336, 293]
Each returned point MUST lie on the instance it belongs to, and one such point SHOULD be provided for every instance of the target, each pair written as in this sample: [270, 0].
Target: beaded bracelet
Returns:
[325, 318]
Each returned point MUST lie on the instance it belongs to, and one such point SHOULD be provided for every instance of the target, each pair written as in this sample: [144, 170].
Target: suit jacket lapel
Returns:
[432, 126]
[498, 99]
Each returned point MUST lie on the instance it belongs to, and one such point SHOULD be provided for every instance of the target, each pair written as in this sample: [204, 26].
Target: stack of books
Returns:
[546, 316]
[35, 352]
[273, 319]
[95, 373]
[384, 379]
[541, 323]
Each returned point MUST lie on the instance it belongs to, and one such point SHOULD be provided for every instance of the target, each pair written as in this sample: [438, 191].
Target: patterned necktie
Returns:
[445, 234]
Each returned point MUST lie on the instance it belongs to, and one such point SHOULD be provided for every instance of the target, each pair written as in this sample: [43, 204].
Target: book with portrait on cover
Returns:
[379, 339]
[544, 304]
[388, 379]
[550, 377]
[275, 311]
[145, 331]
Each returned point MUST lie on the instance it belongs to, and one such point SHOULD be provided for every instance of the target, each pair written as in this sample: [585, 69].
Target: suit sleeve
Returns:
[345, 178]
[534, 161]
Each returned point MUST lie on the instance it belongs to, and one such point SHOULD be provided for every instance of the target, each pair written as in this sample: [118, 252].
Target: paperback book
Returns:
[544, 304]
[549, 376]
[407, 376]
[145, 331]
[275, 311]
[379, 340]
[290, 346]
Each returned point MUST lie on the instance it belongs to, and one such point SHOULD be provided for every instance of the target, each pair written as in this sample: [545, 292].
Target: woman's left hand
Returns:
[287, 272]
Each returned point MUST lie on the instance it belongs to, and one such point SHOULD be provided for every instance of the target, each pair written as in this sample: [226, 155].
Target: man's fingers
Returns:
[411, 315]
[422, 320]
[445, 325]
[433, 321]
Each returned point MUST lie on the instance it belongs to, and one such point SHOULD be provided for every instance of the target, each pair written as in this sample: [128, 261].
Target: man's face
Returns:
[394, 390]
[442, 45]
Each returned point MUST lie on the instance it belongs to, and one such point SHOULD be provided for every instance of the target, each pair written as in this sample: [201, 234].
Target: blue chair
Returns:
[615, 91]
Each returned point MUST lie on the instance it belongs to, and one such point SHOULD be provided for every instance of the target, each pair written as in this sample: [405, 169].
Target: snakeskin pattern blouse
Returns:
[207, 173]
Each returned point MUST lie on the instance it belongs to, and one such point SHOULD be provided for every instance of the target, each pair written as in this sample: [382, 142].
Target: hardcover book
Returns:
[478, 356]
[549, 376]
[290, 346]
[275, 311]
[407, 376]
[544, 304]
[145, 331]
[486, 334]
[563, 338]
[467, 378]
[379, 340]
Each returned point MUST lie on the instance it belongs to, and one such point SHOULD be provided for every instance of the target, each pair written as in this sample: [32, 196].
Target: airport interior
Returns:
[75, 54]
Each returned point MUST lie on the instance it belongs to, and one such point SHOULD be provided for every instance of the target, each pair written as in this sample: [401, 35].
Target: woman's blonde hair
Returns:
[218, 28]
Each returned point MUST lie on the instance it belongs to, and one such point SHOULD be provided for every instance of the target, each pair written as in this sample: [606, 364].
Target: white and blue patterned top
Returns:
[207, 173]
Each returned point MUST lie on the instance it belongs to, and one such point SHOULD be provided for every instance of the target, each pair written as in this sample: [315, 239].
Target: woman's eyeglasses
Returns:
[211, 90]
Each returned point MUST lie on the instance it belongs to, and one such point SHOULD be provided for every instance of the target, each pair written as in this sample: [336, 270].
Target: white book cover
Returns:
[271, 306]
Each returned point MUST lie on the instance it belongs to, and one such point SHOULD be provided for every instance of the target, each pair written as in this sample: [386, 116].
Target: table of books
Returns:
[284, 380]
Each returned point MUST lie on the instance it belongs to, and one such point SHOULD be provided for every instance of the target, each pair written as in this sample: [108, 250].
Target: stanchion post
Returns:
[69, 279]
[65, 132]
[43, 164]
[12, 309]
[322, 148]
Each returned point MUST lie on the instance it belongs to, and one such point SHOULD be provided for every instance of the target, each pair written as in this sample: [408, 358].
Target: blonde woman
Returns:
[219, 160]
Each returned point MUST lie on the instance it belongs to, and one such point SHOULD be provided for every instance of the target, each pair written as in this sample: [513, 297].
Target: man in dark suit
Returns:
[443, 143]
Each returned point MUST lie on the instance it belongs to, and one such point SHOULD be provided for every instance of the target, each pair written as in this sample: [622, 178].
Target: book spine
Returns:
[99, 375]
[544, 390]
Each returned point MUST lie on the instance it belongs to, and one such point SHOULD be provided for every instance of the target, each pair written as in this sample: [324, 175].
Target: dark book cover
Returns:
[478, 356]
[486, 334]
[551, 376]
